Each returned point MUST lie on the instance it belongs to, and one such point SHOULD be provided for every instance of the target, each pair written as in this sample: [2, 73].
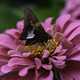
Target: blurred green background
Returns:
[13, 10]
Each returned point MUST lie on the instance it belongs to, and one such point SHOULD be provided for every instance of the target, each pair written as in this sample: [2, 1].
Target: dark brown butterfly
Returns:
[33, 31]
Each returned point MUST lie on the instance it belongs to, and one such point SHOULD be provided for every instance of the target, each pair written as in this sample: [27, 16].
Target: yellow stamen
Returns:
[38, 48]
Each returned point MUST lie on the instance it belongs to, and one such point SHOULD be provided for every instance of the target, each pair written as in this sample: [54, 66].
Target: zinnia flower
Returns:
[56, 59]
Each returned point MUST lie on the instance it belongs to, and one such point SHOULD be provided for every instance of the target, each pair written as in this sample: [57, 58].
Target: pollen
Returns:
[38, 48]
[51, 45]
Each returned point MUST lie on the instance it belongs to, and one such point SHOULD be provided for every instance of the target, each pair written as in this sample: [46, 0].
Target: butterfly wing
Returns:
[32, 32]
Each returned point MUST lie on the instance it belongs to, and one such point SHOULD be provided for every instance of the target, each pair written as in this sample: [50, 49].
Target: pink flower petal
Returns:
[47, 25]
[75, 33]
[62, 20]
[71, 27]
[72, 4]
[60, 64]
[74, 55]
[3, 61]
[73, 51]
[57, 50]
[2, 74]
[14, 53]
[23, 72]
[60, 57]
[20, 25]
[7, 41]
[38, 63]
[19, 61]
[76, 40]
[75, 58]
[26, 54]
[67, 44]
[47, 67]
[76, 13]
[45, 54]
[13, 32]
[6, 69]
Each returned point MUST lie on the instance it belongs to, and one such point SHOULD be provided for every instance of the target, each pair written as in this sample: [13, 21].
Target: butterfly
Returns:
[33, 31]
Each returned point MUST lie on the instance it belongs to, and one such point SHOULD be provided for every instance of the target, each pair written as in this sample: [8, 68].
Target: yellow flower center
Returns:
[38, 48]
